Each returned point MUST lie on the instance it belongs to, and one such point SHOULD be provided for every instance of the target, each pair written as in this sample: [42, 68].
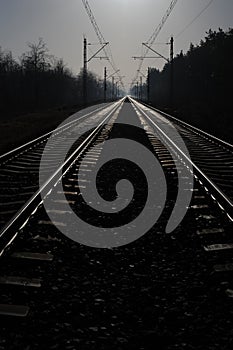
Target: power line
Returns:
[161, 24]
[154, 35]
[194, 19]
[101, 39]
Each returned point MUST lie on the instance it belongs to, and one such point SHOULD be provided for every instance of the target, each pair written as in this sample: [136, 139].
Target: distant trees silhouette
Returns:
[202, 84]
[40, 81]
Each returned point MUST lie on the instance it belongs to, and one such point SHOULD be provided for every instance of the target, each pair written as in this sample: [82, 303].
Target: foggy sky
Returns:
[124, 23]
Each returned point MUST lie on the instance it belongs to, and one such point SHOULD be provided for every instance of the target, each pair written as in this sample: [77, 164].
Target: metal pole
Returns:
[105, 83]
[148, 85]
[172, 71]
[140, 88]
[117, 89]
[85, 71]
[112, 88]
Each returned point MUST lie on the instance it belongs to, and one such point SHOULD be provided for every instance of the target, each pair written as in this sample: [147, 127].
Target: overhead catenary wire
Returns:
[102, 40]
[194, 19]
[153, 36]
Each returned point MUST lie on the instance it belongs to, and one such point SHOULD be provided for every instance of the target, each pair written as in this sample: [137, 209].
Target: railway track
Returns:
[20, 172]
[211, 157]
[210, 160]
[40, 250]
[20, 168]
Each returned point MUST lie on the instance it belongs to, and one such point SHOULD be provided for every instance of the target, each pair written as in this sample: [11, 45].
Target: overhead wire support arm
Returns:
[102, 57]
[157, 53]
[154, 35]
[94, 56]
[118, 70]
[100, 37]
[142, 58]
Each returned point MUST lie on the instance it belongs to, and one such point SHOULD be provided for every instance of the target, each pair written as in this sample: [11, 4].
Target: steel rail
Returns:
[224, 202]
[30, 144]
[10, 230]
[191, 127]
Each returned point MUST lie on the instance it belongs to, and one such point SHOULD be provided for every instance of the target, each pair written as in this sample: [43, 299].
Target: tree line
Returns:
[38, 80]
[202, 93]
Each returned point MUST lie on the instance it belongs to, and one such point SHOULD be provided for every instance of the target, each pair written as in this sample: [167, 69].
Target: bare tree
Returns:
[37, 58]
[35, 62]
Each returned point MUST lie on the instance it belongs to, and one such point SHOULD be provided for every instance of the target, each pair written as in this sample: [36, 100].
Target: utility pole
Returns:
[152, 38]
[148, 85]
[84, 71]
[137, 91]
[116, 89]
[112, 87]
[85, 62]
[172, 71]
[99, 34]
[170, 61]
[105, 83]
[112, 76]
[140, 88]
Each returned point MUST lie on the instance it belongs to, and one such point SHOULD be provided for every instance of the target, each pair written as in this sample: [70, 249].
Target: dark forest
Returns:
[39, 81]
[202, 94]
